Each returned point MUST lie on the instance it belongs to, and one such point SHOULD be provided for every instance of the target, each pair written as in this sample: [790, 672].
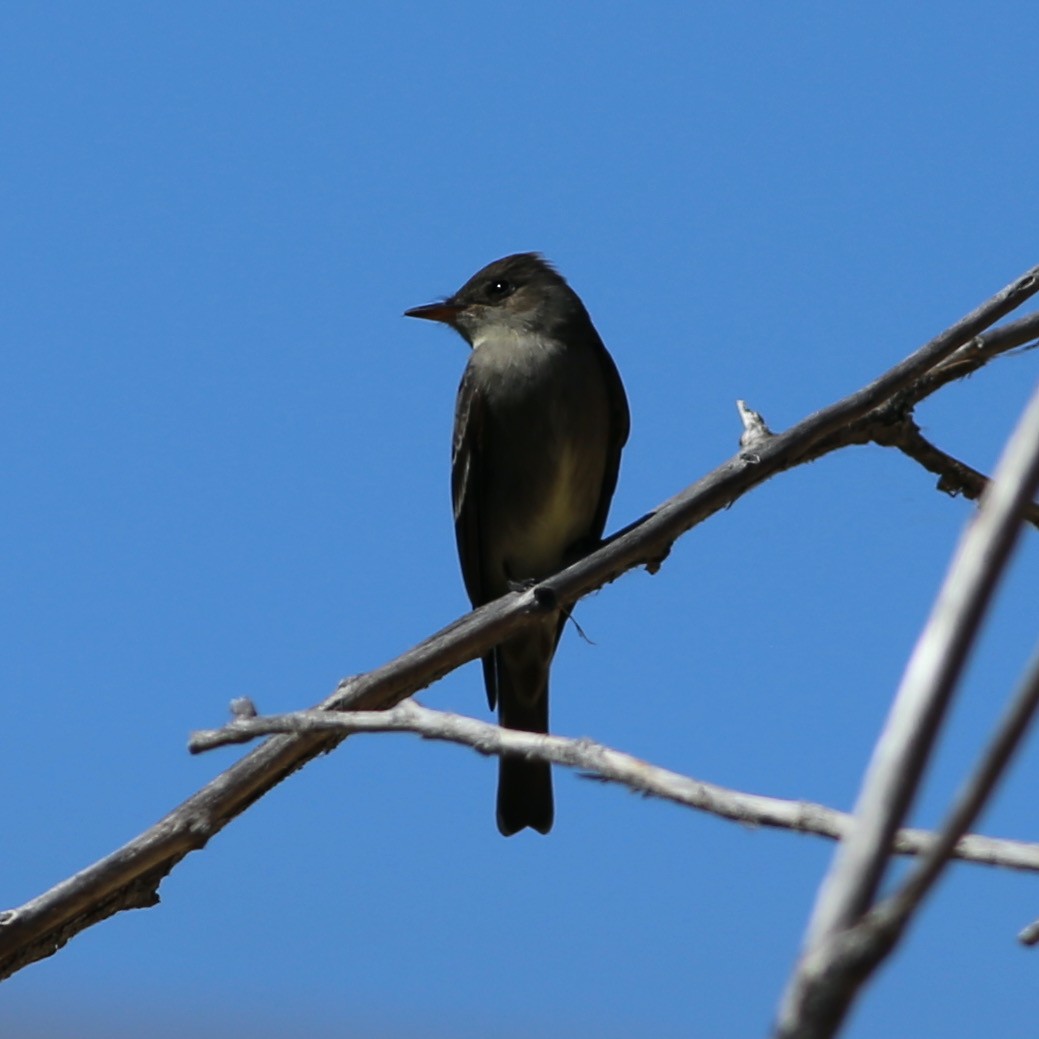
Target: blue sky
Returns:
[225, 462]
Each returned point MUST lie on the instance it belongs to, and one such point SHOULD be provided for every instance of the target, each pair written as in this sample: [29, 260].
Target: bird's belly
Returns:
[546, 437]
[550, 514]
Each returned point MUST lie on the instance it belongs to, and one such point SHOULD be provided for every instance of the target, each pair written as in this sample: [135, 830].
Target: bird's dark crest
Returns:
[518, 266]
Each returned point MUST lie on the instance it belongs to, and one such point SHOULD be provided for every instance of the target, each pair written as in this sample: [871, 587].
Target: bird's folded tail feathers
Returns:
[524, 787]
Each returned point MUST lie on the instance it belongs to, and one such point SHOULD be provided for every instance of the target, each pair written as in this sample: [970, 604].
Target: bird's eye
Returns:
[499, 289]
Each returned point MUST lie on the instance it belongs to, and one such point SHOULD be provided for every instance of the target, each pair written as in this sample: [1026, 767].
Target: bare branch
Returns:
[896, 909]
[837, 958]
[612, 766]
[954, 476]
[975, 354]
[129, 877]
[838, 969]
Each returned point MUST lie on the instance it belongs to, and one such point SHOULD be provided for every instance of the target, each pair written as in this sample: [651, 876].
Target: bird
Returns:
[541, 418]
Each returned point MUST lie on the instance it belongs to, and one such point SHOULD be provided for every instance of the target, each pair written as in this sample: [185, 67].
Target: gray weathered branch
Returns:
[844, 945]
[613, 766]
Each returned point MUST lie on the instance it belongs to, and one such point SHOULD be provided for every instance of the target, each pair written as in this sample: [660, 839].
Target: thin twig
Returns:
[975, 354]
[613, 766]
[954, 476]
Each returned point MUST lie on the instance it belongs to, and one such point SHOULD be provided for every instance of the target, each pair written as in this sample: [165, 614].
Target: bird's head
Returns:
[522, 293]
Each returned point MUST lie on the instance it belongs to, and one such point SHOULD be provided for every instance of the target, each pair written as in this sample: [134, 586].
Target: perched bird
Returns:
[540, 422]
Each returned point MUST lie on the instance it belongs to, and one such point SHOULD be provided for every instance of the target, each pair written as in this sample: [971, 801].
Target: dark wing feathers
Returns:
[465, 496]
[620, 426]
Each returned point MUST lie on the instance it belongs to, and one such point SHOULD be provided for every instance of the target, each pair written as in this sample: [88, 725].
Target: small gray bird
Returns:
[539, 425]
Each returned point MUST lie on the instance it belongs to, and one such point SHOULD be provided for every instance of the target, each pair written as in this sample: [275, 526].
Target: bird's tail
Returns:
[524, 787]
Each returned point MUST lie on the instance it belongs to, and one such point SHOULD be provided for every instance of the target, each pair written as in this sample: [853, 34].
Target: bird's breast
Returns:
[545, 453]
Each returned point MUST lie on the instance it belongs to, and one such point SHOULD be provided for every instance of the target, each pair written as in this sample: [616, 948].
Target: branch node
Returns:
[243, 707]
[654, 564]
[755, 431]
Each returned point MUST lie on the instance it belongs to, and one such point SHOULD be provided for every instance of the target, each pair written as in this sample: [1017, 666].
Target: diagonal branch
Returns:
[837, 959]
[612, 766]
[129, 877]
[836, 971]
[894, 912]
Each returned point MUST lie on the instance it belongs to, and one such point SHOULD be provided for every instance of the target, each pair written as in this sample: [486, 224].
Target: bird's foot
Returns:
[544, 597]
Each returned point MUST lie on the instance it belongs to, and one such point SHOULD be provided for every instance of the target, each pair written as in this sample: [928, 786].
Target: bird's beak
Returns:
[445, 311]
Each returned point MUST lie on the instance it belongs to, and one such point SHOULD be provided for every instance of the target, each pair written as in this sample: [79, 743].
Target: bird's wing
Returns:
[620, 426]
[466, 466]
